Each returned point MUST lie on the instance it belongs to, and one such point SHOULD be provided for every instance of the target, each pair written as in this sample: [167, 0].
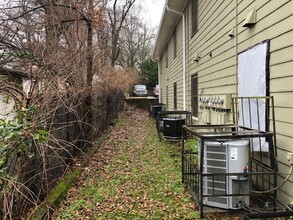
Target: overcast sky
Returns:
[154, 10]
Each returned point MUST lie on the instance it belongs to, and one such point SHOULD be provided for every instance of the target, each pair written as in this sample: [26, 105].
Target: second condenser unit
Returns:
[225, 157]
[173, 127]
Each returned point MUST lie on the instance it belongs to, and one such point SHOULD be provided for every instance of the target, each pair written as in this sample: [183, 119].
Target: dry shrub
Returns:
[113, 80]
[61, 104]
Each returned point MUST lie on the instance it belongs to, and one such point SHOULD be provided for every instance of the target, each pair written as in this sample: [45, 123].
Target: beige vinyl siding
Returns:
[283, 99]
[281, 70]
[176, 63]
[212, 36]
[217, 63]
[217, 74]
[283, 84]
[173, 73]
[284, 114]
[274, 22]
[282, 56]
[277, 20]
[219, 82]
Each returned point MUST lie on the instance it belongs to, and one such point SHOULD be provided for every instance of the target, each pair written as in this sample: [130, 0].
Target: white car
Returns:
[140, 90]
[156, 90]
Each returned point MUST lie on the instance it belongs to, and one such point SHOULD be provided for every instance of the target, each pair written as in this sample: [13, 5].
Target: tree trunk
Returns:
[90, 44]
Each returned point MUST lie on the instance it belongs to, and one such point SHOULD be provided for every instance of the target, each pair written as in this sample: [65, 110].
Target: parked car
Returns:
[156, 90]
[140, 90]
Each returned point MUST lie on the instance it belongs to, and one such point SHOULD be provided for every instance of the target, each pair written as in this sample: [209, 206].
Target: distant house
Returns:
[233, 47]
[20, 80]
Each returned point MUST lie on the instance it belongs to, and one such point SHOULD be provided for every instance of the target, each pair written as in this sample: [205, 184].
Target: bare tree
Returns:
[136, 41]
[49, 40]
[61, 45]
[90, 43]
[117, 15]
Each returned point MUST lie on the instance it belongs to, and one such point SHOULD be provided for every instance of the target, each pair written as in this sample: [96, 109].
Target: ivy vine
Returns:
[17, 136]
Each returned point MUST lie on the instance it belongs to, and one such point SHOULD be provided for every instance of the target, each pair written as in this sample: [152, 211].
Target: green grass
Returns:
[191, 145]
[142, 181]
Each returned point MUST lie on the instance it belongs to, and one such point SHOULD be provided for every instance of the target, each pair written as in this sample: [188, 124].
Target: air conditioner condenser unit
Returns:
[173, 127]
[225, 157]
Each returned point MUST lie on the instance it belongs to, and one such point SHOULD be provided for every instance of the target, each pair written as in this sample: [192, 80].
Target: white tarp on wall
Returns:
[252, 81]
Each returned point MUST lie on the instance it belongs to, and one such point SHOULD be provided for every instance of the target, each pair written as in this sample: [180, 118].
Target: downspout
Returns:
[183, 55]
[236, 28]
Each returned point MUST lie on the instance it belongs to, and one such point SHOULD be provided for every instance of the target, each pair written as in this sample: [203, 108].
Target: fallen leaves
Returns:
[132, 176]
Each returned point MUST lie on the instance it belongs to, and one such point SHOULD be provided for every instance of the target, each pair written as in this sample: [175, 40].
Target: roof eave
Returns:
[167, 23]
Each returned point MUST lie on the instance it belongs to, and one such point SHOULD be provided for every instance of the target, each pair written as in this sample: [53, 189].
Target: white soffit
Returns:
[168, 21]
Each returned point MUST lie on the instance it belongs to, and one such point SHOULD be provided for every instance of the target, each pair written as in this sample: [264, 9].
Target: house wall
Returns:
[274, 22]
[6, 107]
[173, 73]
[7, 103]
[217, 67]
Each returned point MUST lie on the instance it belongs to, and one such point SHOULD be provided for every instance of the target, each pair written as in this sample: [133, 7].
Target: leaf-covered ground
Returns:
[132, 176]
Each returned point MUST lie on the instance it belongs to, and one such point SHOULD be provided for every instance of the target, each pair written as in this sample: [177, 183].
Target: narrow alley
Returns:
[132, 176]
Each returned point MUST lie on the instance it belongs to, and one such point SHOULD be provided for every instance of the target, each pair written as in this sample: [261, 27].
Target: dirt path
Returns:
[132, 176]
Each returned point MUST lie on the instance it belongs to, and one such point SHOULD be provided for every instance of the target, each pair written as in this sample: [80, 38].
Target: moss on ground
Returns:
[133, 177]
[59, 192]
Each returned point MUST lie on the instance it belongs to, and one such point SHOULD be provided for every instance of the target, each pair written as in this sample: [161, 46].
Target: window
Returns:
[254, 81]
[166, 51]
[194, 95]
[167, 99]
[161, 61]
[175, 96]
[175, 43]
[194, 16]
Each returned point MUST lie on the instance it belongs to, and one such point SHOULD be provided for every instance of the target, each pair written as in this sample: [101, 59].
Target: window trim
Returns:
[161, 65]
[195, 111]
[175, 95]
[167, 96]
[194, 17]
[174, 36]
[167, 57]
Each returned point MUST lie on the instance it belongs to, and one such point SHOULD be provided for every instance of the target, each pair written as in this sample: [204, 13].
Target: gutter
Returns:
[183, 55]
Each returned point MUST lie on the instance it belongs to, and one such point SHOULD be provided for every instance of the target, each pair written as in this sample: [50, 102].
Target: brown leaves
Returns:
[130, 177]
